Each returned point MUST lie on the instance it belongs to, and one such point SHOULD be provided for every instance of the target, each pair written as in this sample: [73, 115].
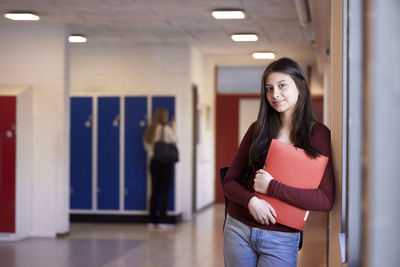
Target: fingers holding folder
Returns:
[262, 211]
[261, 181]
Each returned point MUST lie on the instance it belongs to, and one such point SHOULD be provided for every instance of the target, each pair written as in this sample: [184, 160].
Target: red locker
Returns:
[7, 163]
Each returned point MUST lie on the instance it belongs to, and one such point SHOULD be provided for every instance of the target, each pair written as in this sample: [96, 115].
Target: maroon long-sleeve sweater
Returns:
[321, 199]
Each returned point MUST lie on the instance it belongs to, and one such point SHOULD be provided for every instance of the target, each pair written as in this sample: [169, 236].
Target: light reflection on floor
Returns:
[195, 243]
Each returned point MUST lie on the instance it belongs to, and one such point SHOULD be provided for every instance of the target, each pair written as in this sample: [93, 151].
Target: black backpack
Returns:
[166, 153]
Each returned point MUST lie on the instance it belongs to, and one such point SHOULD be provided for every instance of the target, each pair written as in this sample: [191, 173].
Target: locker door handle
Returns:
[115, 122]
[88, 122]
[11, 133]
[143, 122]
[71, 191]
[98, 190]
[126, 192]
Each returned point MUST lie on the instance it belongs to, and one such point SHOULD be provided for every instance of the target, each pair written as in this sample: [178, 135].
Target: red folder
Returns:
[291, 166]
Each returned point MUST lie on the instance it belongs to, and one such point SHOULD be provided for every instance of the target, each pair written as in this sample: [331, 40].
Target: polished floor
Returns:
[195, 243]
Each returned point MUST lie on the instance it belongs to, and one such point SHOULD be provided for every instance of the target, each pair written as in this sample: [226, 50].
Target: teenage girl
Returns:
[251, 235]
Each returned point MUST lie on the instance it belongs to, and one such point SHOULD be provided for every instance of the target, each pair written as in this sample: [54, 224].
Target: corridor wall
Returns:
[36, 56]
[15, 162]
[142, 70]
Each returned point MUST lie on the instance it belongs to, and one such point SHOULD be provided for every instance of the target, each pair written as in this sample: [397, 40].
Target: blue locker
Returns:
[108, 153]
[81, 153]
[167, 102]
[135, 155]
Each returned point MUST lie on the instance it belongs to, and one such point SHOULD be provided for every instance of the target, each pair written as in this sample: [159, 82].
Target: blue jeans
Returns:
[251, 246]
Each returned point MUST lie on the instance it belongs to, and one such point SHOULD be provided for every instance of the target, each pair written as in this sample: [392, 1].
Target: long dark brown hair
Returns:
[268, 122]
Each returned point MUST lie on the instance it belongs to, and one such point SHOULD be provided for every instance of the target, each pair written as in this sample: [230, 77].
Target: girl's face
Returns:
[281, 92]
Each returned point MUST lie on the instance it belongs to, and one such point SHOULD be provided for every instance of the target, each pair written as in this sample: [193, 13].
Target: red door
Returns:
[227, 134]
[226, 137]
[7, 163]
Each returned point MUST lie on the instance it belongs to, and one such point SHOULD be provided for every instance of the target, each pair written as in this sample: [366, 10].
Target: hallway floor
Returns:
[195, 243]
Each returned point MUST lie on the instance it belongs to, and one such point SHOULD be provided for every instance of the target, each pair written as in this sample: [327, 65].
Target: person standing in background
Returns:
[161, 173]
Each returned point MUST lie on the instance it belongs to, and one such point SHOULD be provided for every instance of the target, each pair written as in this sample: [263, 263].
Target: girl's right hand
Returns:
[261, 211]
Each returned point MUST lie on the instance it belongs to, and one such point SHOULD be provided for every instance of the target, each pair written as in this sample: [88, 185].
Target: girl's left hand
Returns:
[261, 181]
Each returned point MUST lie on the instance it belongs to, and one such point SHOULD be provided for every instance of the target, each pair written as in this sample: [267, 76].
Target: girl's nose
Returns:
[276, 93]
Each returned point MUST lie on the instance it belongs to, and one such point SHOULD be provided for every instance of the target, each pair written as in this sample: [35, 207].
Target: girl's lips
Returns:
[278, 102]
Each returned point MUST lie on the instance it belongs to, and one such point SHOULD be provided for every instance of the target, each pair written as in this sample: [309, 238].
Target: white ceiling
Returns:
[275, 21]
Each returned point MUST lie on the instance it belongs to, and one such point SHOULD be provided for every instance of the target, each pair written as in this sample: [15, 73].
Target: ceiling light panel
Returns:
[247, 37]
[263, 55]
[77, 39]
[228, 14]
[27, 16]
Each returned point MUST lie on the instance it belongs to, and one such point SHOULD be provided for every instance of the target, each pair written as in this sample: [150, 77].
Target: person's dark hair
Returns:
[268, 122]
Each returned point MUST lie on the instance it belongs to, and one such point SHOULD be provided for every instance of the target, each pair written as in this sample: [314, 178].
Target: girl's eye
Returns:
[268, 89]
[282, 85]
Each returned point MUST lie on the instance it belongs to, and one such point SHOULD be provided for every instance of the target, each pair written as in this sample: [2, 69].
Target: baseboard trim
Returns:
[205, 207]
[118, 218]
[62, 235]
